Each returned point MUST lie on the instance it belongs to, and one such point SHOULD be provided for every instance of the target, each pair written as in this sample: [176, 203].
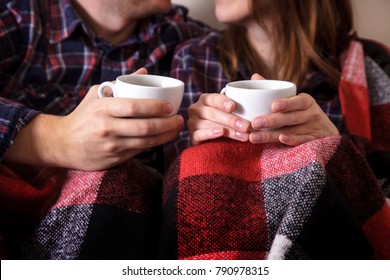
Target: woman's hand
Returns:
[98, 134]
[294, 121]
[211, 117]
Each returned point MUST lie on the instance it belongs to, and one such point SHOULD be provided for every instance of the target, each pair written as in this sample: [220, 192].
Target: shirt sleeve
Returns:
[9, 37]
[13, 116]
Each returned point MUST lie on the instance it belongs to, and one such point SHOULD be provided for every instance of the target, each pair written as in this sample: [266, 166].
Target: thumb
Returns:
[257, 77]
[142, 70]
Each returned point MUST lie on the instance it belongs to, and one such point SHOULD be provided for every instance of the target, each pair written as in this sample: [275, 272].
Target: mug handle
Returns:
[223, 91]
[103, 85]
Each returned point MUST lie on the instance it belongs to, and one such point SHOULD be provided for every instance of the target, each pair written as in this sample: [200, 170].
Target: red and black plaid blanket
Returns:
[232, 200]
[221, 200]
[321, 200]
[71, 214]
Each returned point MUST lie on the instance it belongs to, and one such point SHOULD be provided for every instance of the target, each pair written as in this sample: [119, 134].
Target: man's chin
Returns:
[165, 8]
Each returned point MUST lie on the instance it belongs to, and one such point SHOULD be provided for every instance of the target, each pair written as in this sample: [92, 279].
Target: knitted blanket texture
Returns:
[324, 199]
[232, 200]
[321, 200]
[71, 214]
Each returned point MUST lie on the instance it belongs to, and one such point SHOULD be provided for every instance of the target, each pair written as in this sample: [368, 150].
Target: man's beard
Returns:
[133, 9]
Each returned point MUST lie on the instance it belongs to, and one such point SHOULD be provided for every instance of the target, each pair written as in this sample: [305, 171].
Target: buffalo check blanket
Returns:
[232, 200]
[72, 214]
[224, 199]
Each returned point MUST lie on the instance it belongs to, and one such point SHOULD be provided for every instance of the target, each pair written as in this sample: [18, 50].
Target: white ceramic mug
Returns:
[142, 86]
[254, 97]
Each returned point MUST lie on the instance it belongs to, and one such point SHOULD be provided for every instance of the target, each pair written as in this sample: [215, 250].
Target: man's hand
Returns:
[98, 134]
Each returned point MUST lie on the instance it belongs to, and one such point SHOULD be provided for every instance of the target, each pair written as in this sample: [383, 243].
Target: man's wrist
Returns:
[36, 143]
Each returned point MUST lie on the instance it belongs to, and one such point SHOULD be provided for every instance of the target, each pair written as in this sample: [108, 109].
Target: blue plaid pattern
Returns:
[49, 59]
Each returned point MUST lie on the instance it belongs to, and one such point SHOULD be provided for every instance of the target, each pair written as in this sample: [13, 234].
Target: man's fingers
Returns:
[128, 127]
[127, 107]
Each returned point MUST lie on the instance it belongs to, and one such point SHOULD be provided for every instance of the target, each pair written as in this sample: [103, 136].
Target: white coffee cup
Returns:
[254, 97]
[142, 86]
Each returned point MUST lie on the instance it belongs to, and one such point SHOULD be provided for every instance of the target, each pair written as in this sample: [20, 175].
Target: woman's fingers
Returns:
[217, 108]
[204, 130]
[211, 117]
[292, 136]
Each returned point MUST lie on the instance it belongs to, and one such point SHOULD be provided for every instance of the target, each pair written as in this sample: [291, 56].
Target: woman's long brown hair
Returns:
[308, 35]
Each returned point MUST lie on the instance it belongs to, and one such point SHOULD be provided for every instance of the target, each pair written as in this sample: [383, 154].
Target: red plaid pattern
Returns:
[224, 205]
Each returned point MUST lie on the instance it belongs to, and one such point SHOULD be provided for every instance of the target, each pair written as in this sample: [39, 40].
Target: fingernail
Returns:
[168, 108]
[180, 120]
[228, 105]
[258, 138]
[242, 125]
[279, 106]
[259, 123]
[217, 131]
[241, 135]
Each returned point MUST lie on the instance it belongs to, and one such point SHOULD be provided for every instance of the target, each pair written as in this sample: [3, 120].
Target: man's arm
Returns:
[98, 134]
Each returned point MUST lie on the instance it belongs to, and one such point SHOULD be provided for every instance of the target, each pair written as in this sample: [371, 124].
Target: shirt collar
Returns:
[64, 20]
